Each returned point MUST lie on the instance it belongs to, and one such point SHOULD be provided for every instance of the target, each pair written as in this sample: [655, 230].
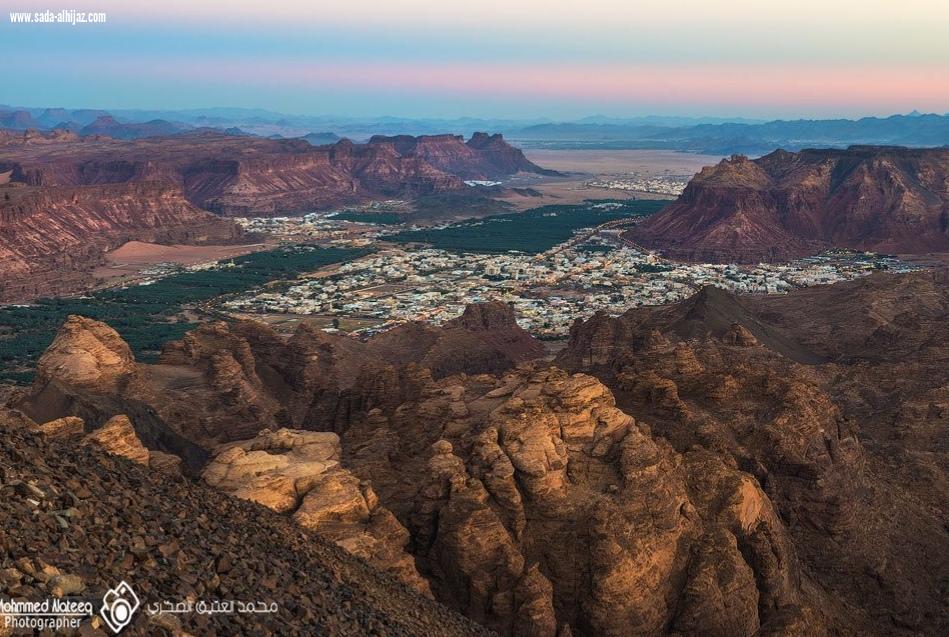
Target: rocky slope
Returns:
[786, 205]
[77, 521]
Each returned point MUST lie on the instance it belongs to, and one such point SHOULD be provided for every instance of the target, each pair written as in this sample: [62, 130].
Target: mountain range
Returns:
[722, 136]
[755, 138]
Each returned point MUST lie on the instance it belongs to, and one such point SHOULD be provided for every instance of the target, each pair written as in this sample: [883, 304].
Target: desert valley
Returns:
[627, 375]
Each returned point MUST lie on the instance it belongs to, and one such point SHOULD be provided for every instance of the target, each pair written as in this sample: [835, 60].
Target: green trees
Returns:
[145, 315]
[531, 232]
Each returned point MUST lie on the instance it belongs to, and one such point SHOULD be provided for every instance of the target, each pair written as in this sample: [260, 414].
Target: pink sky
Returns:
[532, 58]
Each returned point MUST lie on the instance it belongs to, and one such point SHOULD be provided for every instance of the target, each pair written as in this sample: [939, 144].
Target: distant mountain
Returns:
[666, 120]
[320, 139]
[712, 135]
[589, 132]
[725, 138]
[109, 126]
[785, 205]
[17, 120]
[902, 130]
[481, 157]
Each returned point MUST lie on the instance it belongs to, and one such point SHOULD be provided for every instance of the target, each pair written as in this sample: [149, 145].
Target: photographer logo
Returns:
[118, 606]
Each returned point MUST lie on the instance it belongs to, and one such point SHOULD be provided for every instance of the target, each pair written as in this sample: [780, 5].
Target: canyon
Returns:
[754, 465]
[786, 205]
[65, 200]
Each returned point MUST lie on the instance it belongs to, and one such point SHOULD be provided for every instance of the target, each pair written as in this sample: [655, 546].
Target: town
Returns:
[634, 182]
[548, 291]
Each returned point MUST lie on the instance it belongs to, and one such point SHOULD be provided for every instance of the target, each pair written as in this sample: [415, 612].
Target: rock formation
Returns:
[225, 382]
[241, 175]
[117, 436]
[720, 466]
[77, 521]
[86, 354]
[298, 473]
[51, 237]
[541, 507]
[785, 205]
[481, 157]
[828, 396]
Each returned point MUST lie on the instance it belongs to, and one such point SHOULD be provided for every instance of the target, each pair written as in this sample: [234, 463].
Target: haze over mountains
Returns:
[700, 134]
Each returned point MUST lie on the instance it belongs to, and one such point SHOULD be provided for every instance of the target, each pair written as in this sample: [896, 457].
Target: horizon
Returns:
[426, 60]
[262, 111]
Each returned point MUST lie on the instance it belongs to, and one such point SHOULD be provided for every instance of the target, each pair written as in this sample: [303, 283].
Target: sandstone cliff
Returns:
[52, 237]
[240, 175]
[785, 205]
[832, 398]
[225, 382]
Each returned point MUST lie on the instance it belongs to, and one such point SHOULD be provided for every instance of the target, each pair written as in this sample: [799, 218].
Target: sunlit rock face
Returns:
[299, 473]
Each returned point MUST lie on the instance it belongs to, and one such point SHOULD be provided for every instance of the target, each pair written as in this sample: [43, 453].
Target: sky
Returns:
[557, 59]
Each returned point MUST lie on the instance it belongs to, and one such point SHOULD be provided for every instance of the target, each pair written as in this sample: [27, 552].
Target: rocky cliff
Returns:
[721, 466]
[481, 157]
[241, 175]
[52, 236]
[242, 377]
[785, 205]
[64, 200]
[831, 397]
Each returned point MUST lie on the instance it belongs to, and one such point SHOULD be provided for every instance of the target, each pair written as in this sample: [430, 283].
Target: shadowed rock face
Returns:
[225, 382]
[834, 399]
[786, 205]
